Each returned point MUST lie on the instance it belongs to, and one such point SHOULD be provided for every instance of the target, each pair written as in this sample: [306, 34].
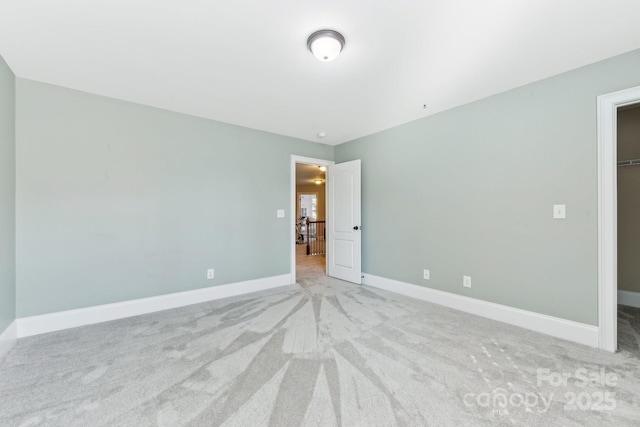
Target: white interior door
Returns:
[343, 221]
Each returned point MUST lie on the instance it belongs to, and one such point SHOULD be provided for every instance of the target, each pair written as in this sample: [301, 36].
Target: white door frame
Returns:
[292, 197]
[608, 214]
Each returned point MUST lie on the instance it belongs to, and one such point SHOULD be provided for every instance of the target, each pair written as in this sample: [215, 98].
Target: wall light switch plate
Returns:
[466, 281]
[559, 211]
[210, 273]
[426, 274]
[280, 213]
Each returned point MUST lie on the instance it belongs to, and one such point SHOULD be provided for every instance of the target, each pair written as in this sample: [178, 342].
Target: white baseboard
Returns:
[629, 298]
[8, 338]
[554, 326]
[35, 325]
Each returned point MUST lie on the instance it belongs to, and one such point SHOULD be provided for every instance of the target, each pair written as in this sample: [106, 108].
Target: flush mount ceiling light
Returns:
[325, 44]
[318, 181]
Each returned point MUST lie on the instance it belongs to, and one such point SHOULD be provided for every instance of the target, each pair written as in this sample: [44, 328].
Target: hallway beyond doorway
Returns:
[309, 265]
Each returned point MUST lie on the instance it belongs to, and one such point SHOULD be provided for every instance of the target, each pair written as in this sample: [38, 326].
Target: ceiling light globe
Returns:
[326, 49]
[326, 45]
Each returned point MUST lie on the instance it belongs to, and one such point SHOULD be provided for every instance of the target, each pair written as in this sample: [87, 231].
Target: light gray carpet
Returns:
[629, 329]
[321, 353]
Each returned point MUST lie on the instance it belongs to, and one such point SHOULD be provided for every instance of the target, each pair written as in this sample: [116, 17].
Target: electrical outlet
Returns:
[426, 274]
[466, 281]
[210, 273]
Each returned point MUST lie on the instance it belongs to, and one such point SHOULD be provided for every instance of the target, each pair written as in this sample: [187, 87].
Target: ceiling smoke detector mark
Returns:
[322, 135]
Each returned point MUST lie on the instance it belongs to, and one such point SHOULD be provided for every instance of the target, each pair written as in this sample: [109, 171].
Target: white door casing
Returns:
[607, 214]
[344, 233]
[292, 217]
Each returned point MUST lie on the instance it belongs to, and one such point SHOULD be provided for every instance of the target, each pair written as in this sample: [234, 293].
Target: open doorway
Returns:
[310, 219]
[628, 194]
[608, 107]
[309, 216]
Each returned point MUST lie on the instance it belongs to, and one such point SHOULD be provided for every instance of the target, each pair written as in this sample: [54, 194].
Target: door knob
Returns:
[357, 228]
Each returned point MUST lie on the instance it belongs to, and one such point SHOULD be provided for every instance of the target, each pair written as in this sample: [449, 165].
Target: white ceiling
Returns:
[245, 62]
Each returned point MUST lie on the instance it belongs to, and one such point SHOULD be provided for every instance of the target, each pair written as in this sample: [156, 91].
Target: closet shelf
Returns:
[634, 162]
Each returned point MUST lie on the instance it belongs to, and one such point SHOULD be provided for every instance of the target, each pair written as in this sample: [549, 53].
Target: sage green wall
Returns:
[117, 201]
[470, 191]
[7, 197]
[629, 201]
